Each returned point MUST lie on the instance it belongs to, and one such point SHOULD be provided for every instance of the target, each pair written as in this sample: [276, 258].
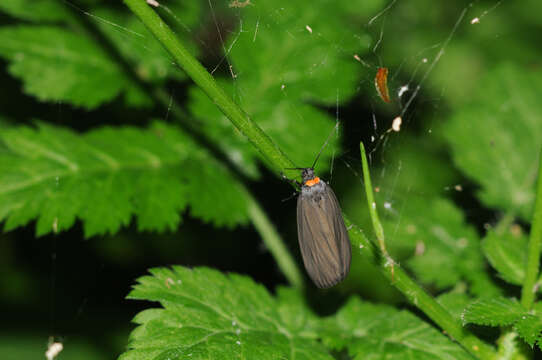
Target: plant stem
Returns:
[535, 239]
[418, 296]
[206, 82]
[377, 225]
[262, 224]
[258, 217]
[275, 245]
[278, 159]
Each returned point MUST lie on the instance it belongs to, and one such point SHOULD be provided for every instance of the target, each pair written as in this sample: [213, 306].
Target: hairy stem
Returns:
[262, 224]
[377, 225]
[193, 68]
[279, 160]
[417, 295]
[535, 239]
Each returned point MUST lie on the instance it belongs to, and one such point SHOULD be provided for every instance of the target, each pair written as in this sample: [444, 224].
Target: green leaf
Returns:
[507, 253]
[35, 10]
[207, 315]
[380, 332]
[137, 45]
[439, 238]
[407, 167]
[58, 65]
[529, 327]
[285, 59]
[496, 141]
[454, 302]
[282, 122]
[424, 229]
[106, 176]
[493, 312]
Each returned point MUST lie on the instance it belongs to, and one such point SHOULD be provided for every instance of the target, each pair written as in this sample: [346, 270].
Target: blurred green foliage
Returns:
[94, 189]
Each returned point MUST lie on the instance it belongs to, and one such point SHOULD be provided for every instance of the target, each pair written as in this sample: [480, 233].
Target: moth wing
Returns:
[323, 238]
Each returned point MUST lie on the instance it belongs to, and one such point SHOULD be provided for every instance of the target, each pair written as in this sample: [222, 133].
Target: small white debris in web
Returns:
[233, 75]
[374, 205]
[309, 29]
[515, 230]
[234, 323]
[239, 4]
[358, 59]
[55, 225]
[458, 187]
[237, 331]
[169, 281]
[238, 342]
[360, 246]
[53, 350]
[372, 138]
[403, 89]
[424, 60]
[475, 21]
[396, 125]
[387, 205]
[282, 87]
[153, 3]
[420, 248]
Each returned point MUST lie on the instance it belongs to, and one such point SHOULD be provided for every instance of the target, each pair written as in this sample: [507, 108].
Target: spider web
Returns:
[409, 81]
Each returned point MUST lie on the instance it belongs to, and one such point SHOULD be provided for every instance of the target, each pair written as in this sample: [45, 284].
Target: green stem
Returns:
[262, 224]
[275, 245]
[258, 217]
[377, 225]
[403, 282]
[418, 296]
[278, 159]
[206, 82]
[535, 239]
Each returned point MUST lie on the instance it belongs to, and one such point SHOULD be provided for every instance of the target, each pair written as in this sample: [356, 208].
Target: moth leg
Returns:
[290, 197]
[291, 181]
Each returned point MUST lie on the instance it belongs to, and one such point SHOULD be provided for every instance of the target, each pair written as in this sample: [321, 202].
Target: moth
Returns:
[322, 235]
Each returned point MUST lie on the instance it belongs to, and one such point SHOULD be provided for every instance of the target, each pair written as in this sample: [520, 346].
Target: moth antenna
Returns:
[325, 144]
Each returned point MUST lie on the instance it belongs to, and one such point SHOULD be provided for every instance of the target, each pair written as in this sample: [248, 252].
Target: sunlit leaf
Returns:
[58, 65]
[376, 331]
[208, 315]
[108, 175]
[529, 327]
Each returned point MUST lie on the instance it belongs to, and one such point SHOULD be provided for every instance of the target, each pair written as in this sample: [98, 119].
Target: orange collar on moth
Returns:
[312, 182]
